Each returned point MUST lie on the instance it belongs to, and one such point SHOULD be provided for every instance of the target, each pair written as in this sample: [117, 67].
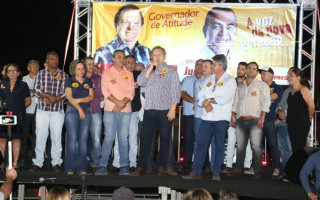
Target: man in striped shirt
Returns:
[128, 23]
[251, 103]
[49, 88]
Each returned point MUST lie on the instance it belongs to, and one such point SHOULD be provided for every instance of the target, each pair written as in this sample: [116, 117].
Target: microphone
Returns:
[154, 68]
[42, 179]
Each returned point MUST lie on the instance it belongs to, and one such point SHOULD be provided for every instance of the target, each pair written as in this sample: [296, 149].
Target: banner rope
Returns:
[69, 35]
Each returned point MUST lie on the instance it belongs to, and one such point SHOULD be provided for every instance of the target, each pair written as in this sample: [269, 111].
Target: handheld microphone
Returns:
[42, 179]
[154, 68]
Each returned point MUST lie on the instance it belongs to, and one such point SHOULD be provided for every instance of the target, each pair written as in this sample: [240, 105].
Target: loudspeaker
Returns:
[296, 162]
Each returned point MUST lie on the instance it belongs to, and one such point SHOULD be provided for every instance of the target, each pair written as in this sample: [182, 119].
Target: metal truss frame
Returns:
[307, 29]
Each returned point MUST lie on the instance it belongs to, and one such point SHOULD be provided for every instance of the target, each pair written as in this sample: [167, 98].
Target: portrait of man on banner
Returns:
[128, 22]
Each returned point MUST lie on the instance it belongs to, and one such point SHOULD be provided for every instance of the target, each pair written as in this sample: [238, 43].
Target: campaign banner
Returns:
[261, 33]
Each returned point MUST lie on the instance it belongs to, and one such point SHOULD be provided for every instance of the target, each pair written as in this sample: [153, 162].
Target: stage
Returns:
[245, 186]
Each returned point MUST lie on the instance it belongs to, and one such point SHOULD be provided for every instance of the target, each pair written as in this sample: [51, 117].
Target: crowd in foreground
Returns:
[136, 97]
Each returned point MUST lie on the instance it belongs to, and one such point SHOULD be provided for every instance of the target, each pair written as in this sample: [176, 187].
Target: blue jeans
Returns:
[249, 129]
[76, 140]
[45, 121]
[188, 139]
[115, 124]
[133, 144]
[197, 123]
[208, 131]
[270, 132]
[284, 144]
[95, 135]
[232, 139]
[153, 120]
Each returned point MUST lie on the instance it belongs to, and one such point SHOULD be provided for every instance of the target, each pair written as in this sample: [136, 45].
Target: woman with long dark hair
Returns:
[17, 96]
[300, 109]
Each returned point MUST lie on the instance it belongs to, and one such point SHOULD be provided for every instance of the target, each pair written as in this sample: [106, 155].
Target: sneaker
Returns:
[35, 168]
[101, 171]
[171, 172]
[56, 168]
[70, 173]
[285, 179]
[248, 171]
[276, 172]
[124, 171]
[227, 170]
[216, 177]
[192, 176]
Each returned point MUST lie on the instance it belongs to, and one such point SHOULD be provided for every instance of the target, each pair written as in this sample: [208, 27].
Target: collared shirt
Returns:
[96, 84]
[118, 83]
[162, 88]
[15, 99]
[252, 100]
[283, 104]
[53, 85]
[223, 92]
[34, 100]
[79, 90]
[274, 88]
[187, 85]
[196, 89]
[103, 55]
[313, 163]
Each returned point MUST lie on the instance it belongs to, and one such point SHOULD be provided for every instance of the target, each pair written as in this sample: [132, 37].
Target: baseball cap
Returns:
[266, 69]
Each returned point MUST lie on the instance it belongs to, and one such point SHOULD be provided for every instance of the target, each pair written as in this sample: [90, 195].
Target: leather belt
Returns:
[247, 117]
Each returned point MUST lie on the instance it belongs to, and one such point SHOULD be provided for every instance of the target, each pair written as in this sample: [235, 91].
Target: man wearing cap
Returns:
[251, 103]
[269, 129]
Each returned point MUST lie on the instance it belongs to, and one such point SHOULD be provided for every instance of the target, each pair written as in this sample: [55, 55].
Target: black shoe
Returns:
[132, 169]
[183, 168]
[35, 168]
[56, 168]
[114, 169]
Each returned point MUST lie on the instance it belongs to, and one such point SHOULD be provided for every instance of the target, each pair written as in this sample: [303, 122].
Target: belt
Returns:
[247, 117]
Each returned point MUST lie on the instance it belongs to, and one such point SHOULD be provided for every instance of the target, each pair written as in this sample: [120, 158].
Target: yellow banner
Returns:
[265, 35]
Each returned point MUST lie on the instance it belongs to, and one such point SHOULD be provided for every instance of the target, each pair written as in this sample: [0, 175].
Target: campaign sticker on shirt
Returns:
[86, 85]
[271, 90]
[254, 92]
[126, 77]
[113, 80]
[93, 85]
[163, 73]
[58, 77]
[200, 87]
[75, 85]
[2, 86]
[209, 84]
[220, 84]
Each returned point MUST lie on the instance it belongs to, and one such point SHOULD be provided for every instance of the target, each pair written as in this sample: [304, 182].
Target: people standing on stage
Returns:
[96, 114]
[215, 120]
[30, 121]
[17, 96]
[284, 143]
[252, 102]
[232, 137]
[49, 88]
[79, 92]
[162, 92]
[300, 109]
[187, 94]
[269, 130]
[130, 63]
[118, 91]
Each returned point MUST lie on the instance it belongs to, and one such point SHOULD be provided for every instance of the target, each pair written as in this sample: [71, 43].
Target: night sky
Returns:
[29, 29]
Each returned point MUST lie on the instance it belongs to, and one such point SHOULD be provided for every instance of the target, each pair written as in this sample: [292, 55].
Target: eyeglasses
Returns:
[12, 71]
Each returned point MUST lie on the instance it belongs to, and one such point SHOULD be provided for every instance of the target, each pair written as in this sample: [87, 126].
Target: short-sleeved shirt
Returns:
[79, 90]
[120, 84]
[196, 89]
[274, 88]
[34, 100]
[15, 99]
[187, 85]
